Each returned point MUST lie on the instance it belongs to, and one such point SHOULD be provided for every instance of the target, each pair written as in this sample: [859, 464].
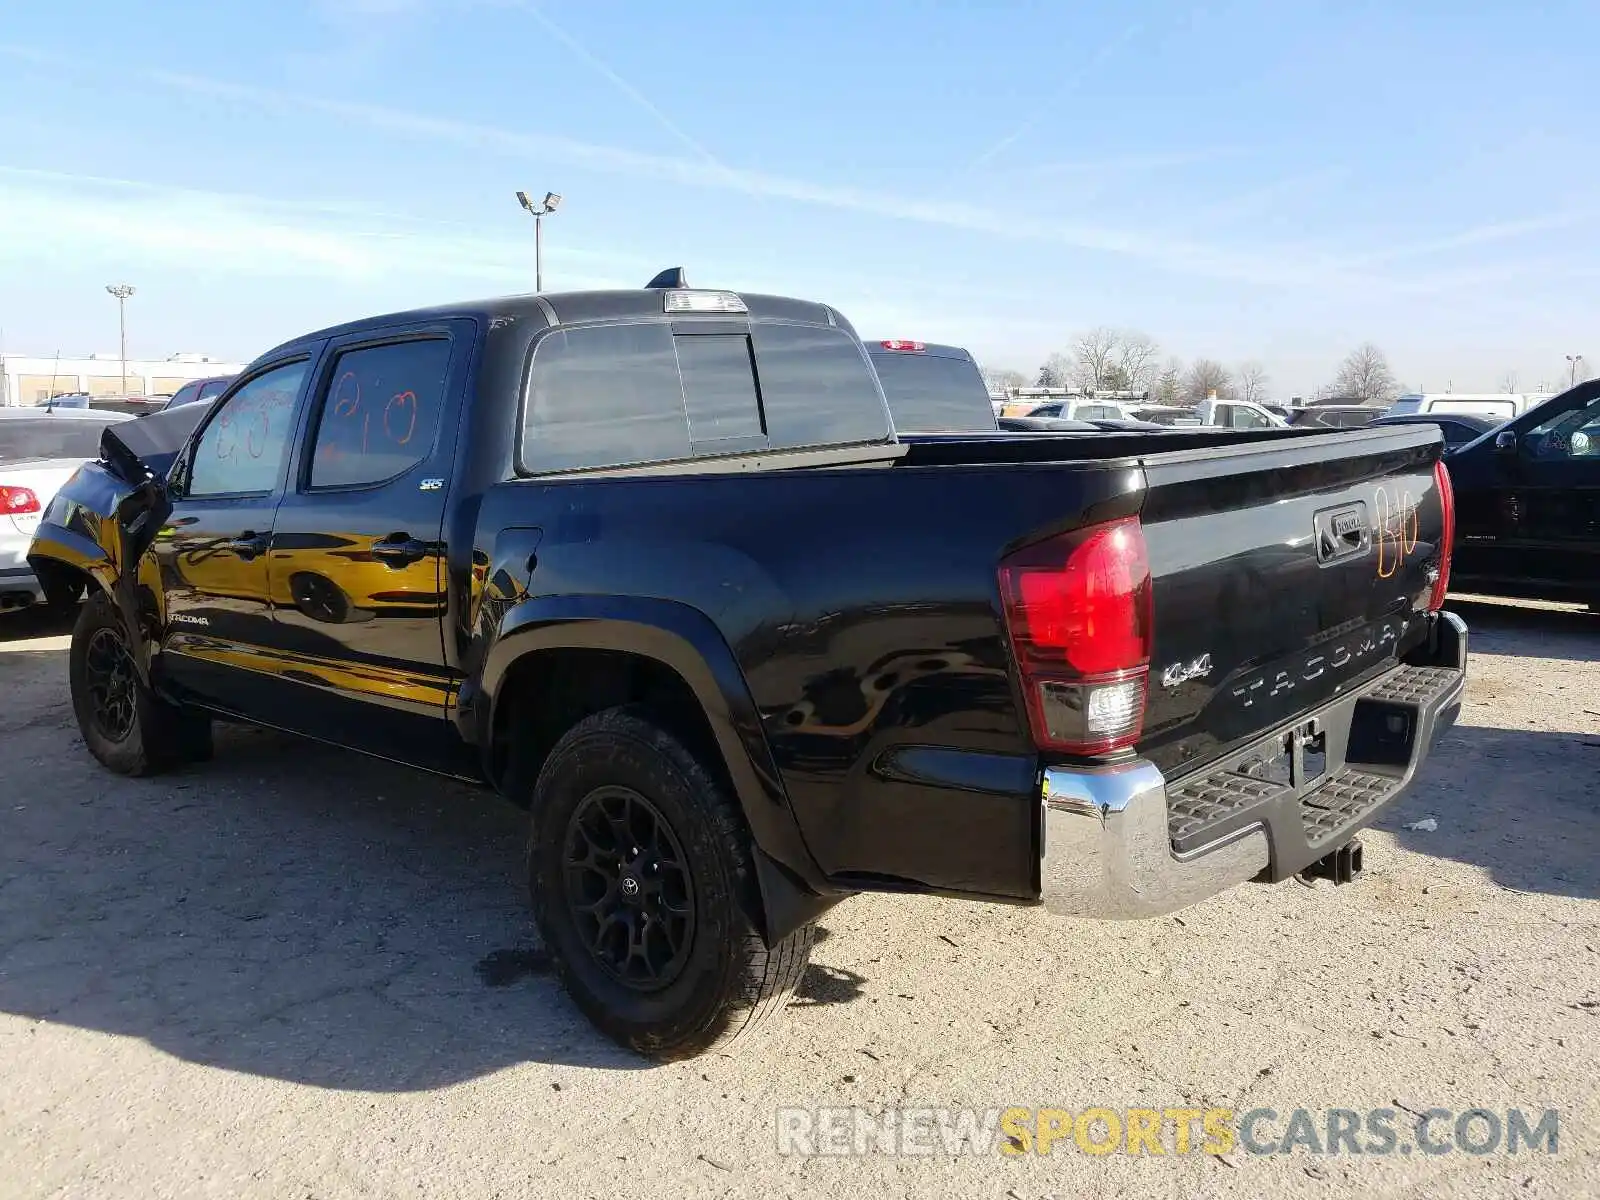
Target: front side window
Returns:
[1571, 434]
[380, 412]
[243, 449]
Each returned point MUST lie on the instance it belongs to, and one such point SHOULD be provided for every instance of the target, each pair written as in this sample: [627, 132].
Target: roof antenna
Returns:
[672, 277]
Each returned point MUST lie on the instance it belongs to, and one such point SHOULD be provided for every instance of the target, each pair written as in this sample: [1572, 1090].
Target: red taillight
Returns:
[1447, 535]
[900, 344]
[1078, 611]
[14, 501]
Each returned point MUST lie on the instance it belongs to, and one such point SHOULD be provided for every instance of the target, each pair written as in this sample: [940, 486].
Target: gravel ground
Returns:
[295, 972]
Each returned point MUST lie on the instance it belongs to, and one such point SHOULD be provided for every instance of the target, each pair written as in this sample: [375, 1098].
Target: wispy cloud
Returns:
[1130, 164]
[117, 221]
[1276, 266]
[1254, 263]
[1071, 81]
[1260, 200]
[1486, 234]
[611, 76]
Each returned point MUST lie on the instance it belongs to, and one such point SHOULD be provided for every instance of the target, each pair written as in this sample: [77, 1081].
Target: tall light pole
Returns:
[1573, 362]
[122, 291]
[540, 211]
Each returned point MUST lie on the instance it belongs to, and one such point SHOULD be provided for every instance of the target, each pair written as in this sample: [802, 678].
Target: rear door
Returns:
[356, 568]
[212, 552]
[1283, 572]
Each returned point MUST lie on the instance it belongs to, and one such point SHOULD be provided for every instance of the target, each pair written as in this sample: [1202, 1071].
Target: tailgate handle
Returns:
[1342, 531]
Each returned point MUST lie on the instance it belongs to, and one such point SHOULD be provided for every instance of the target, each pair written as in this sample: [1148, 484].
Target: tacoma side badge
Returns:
[430, 485]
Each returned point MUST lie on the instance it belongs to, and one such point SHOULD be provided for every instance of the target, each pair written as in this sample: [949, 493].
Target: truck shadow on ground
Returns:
[1521, 804]
[1564, 635]
[288, 910]
[37, 621]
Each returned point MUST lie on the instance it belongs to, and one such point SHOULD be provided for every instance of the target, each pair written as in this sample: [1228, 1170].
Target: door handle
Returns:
[399, 550]
[247, 545]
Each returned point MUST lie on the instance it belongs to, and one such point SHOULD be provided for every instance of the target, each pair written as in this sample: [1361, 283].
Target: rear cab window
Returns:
[647, 392]
[27, 438]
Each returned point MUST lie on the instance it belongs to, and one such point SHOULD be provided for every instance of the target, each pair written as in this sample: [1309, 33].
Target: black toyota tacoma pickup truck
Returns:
[656, 565]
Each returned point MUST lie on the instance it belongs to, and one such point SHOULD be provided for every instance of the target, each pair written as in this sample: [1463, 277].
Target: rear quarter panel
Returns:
[861, 608]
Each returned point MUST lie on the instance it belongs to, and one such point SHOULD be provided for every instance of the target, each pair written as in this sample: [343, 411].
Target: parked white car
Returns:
[1502, 406]
[1226, 414]
[39, 451]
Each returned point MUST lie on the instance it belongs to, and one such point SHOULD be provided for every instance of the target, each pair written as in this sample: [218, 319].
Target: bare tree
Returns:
[1168, 388]
[1093, 356]
[1253, 382]
[1364, 375]
[1136, 356]
[1002, 379]
[1204, 377]
[1508, 382]
[1054, 372]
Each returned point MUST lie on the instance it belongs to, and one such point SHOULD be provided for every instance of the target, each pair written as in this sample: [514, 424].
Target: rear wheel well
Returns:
[547, 692]
[62, 583]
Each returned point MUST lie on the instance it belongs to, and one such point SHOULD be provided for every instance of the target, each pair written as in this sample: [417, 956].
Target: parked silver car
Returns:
[39, 451]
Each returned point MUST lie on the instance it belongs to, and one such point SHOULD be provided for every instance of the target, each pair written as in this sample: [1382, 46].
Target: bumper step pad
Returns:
[1218, 803]
[1348, 796]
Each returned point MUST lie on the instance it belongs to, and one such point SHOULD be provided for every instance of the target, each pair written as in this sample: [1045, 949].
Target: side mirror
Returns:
[1505, 442]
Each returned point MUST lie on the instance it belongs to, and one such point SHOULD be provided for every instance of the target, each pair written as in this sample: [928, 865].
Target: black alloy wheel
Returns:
[628, 888]
[109, 677]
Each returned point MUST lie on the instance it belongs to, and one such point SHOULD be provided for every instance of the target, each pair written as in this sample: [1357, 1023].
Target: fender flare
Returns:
[792, 887]
[59, 546]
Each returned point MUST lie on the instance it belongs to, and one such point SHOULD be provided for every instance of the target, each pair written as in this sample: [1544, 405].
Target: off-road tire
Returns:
[730, 980]
[160, 735]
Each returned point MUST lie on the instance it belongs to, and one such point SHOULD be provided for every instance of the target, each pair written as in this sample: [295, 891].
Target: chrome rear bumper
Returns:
[1110, 836]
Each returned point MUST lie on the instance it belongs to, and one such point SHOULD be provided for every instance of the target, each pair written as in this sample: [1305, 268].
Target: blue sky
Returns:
[1254, 180]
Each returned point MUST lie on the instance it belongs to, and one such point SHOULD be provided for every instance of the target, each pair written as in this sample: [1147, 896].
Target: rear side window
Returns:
[930, 393]
[210, 391]
[618, 395]
[380, 412]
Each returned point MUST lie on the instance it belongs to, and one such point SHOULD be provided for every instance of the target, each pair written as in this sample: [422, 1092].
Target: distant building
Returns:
[28, 380]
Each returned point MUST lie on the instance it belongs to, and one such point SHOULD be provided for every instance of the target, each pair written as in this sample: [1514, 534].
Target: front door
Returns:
[1554, 496]
[357, 567]
[211, 554]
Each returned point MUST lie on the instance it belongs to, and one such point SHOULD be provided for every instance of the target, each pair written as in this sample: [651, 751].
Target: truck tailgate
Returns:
[1282, 574]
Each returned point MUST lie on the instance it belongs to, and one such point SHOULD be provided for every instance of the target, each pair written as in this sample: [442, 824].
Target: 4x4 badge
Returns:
[1178, 672]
